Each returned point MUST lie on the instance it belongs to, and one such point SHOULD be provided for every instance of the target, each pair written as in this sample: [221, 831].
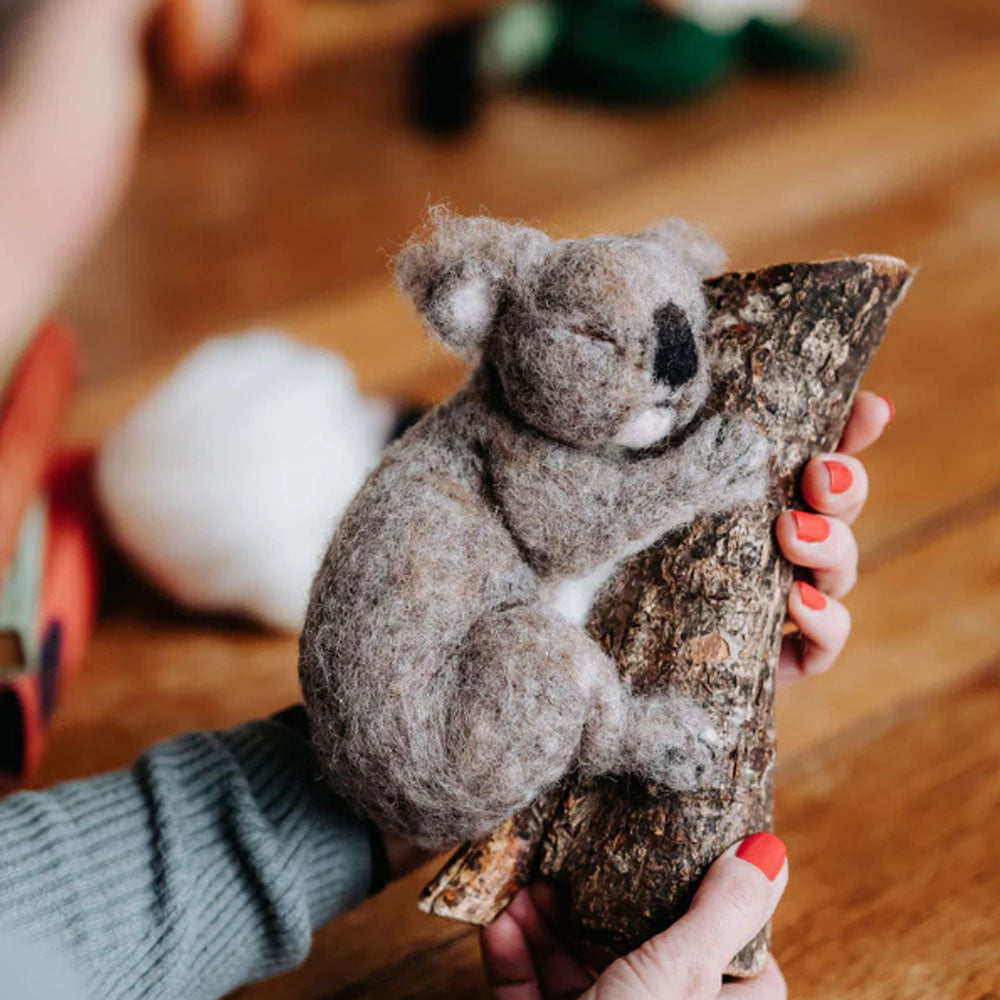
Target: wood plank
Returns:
[894, 879]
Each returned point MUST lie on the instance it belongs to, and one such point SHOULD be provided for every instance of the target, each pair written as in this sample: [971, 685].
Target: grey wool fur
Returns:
[446, 671]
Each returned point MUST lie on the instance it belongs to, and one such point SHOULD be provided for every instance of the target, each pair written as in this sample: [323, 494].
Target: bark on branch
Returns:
[700, 612]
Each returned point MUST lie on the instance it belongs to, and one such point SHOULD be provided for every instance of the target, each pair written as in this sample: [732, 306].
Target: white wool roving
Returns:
[730, 15]
[224, 485]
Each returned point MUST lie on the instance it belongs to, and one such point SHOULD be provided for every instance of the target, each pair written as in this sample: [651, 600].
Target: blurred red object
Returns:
[65, 616]
[206, 45]
[33, 407]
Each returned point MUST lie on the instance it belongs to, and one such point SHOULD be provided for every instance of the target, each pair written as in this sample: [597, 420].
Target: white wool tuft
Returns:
[471, 306]
[645, 428]
[224, 485]
[729, 15]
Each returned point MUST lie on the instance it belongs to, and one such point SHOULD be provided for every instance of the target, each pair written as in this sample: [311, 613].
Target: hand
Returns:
[524, 960]
[836, 487]
[73, 101]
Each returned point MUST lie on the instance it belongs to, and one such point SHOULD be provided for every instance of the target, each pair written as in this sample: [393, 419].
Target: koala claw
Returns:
[673, 741]
[731, 454]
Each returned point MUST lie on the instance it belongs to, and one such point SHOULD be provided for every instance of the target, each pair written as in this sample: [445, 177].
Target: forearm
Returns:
[206, 865]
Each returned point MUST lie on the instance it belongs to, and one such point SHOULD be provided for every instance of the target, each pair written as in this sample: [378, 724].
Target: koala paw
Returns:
[672, 741]
[730, 457]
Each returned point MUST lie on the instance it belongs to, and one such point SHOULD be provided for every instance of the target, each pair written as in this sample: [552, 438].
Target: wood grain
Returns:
[908, 892]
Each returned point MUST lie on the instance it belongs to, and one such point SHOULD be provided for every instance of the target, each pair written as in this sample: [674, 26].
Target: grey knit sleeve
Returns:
[206, 865]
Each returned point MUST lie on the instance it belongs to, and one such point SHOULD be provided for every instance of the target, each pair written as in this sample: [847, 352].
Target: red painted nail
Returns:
[810, 596]
[892, 409]
[841, 477]
[764, 851]
[811, 527]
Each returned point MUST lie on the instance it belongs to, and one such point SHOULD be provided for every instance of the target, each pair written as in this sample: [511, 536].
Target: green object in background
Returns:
[633, 53]
[518, 38]
[627, 53]
[797, 48]
[630, 52]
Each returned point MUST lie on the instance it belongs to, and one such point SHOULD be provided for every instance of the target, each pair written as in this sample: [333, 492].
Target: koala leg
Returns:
[517, 714]
[537, 698]
[663, 738]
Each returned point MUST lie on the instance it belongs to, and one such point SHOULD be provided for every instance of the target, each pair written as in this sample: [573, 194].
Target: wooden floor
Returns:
[889, 780]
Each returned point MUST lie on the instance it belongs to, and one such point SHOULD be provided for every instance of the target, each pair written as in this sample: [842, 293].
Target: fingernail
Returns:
[764, 851]
[841, 477]
[811, 527]
[810, 596]
[892, 409]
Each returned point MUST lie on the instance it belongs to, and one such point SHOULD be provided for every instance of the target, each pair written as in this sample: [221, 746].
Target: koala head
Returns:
[596, 342]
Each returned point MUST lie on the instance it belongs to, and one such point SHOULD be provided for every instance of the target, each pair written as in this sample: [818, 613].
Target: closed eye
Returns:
[592, 333]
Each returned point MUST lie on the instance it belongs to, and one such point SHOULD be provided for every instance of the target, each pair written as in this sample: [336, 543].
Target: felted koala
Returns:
[446, 671]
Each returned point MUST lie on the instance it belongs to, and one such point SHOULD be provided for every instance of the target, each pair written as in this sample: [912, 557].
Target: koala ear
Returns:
[697, 248]
[458, 270]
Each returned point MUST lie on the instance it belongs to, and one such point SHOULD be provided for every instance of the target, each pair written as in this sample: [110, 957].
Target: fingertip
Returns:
[890, 410]
[521, 907]
[503, 929]
[835, 484]
[823, 633]
[784, 530]
[804, 596]
[506, 957]
[736, 898]
[765, 851]
[824, 544]
[869, 418]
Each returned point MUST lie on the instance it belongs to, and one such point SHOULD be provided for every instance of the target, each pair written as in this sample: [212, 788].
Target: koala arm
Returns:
[721, 465]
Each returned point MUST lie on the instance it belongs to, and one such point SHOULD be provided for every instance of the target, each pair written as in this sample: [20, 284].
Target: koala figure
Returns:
[444, 662]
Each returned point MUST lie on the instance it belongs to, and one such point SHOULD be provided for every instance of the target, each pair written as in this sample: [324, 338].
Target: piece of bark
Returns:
[701, 612]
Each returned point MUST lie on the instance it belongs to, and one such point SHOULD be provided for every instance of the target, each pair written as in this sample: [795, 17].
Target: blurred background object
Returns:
[631, 52]
[223, 486]
[252, 47]
[284, 213]
[48, 546]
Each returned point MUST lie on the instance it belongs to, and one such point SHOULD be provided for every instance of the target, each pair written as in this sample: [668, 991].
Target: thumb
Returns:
[735, 900]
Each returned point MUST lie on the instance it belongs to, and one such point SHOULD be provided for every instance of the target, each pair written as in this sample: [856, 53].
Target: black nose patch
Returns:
[676, 357]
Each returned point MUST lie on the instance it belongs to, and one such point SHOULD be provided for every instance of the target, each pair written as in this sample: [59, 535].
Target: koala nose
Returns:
[675, 360]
